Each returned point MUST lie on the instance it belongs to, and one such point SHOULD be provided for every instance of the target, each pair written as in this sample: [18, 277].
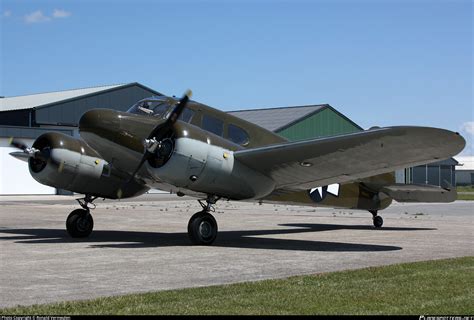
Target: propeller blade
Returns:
[174, 115]
[142, 161]
[124, 185]
[28, 152]
[157, 133]
[18, 144]
[20, 155]
[163, 128]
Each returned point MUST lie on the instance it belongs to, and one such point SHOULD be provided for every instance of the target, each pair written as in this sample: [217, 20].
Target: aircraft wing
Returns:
[338, 159]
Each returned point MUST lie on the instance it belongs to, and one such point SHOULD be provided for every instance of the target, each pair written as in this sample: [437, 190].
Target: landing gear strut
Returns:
[202, 227]
[378, 221]
[79, 223]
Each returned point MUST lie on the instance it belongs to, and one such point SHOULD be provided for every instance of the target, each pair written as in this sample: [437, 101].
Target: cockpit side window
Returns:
[212, 124]
[237, 135]
[156, 106]
[186, 115]
[142, 106]
[160, 109]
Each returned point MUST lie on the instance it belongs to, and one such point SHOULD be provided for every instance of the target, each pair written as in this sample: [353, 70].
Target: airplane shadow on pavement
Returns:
[232, 239]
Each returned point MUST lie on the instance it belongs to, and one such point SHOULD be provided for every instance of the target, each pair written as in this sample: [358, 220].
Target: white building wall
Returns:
[465, 170]
[15, 178]
[400, 176]
[464, 177]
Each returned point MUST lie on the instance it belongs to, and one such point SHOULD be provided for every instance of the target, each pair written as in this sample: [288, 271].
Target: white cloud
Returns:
[58, 13]
[467, 130]
[468, 127]
[36, 17]
[7, 13]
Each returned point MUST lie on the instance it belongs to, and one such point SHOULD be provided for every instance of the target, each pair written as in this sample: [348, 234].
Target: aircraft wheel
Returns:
[79, 223]
[202, 228]
[378, 221]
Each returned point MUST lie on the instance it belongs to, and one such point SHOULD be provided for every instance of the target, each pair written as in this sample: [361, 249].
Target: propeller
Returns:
[18, 144]
[41, 156]
[154, 144]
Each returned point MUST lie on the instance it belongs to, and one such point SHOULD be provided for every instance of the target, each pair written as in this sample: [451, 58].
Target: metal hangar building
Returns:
[27, 117]
[298, 123]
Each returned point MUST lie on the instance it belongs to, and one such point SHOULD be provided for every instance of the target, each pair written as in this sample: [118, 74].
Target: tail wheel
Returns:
[202, 228]
[79, 223]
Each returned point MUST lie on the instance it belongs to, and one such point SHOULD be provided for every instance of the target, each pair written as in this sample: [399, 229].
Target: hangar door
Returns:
[15, 178]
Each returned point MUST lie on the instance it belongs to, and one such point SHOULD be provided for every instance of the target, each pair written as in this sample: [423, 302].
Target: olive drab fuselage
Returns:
[115, 140]
[187, 148]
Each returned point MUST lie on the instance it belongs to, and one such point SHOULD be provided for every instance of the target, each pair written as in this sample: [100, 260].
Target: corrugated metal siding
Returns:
[321, 124]
[69, 113]
[15, 118]
[433, 174]
[27, 132]
[39, 99]
[275, 118]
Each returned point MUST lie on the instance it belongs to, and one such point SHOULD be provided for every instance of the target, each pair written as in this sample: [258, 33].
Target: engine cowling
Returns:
[210, 169]
[73, 165]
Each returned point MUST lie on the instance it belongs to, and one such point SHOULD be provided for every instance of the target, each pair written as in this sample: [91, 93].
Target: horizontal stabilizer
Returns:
[419, 193]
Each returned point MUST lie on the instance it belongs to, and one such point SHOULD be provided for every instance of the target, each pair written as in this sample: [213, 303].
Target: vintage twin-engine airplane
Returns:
[187, 148]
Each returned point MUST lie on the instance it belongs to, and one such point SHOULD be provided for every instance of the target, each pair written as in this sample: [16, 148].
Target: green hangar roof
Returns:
[302, 122]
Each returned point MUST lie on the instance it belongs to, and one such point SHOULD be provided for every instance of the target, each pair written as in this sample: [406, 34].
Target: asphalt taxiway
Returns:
[141, 245]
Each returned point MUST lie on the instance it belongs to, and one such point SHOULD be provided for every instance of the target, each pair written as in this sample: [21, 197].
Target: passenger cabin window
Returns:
[186, 115]
[212, 124]
[237, 135]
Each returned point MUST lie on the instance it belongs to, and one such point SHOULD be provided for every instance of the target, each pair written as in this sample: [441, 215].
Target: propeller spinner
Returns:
[158, 145]
[27, 152]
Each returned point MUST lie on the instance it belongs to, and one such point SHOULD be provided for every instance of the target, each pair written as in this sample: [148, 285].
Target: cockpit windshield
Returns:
[155, 106]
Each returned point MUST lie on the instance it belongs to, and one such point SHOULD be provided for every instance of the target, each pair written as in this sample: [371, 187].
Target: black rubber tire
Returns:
[79, 223]
[202, 228]
[378, 221]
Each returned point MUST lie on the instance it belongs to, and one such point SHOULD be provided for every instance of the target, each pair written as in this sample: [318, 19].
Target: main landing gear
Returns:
[378, 221]
[202, 227]
[79, 223]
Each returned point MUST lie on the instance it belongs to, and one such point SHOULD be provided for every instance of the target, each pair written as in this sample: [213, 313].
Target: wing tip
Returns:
[450, 142]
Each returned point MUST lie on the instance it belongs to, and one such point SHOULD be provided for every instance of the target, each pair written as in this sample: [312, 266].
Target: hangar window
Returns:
[212, 124]
[237, 135]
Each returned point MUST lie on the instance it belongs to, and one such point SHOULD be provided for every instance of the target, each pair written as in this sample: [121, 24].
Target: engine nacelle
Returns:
[73, 165]
[206, 168]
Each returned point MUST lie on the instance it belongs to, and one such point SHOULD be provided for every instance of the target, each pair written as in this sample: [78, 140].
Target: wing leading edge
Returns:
[344, 158]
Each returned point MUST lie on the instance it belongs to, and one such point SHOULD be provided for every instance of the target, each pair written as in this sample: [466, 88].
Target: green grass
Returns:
[465, 192]
[432, 287]
[468, 196]
[465, 188]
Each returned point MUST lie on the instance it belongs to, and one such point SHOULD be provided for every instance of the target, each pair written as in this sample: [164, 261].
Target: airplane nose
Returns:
[102, 122]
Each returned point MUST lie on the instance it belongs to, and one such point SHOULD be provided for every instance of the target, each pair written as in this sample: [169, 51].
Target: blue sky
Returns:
[379, 62]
